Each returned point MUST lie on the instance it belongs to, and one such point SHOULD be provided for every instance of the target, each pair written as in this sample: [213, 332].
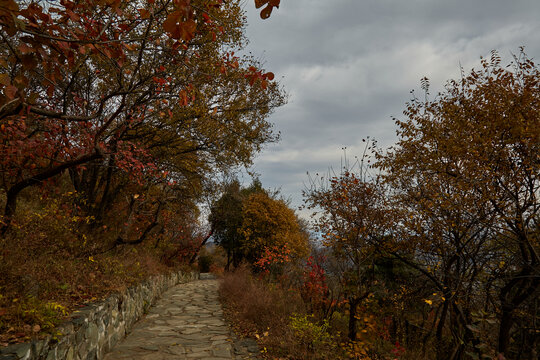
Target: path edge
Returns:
[96, 328]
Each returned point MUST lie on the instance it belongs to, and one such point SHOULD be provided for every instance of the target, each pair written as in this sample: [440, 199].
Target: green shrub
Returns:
[309, 333]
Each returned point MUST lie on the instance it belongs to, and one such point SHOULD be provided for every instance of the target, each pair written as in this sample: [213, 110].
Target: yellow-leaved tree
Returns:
[466, 172]
[249, 222]
[269, 222]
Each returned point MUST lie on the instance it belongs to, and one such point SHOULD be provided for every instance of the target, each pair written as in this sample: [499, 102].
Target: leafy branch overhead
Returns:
[269, 5]
[154, 86]
[117, 119]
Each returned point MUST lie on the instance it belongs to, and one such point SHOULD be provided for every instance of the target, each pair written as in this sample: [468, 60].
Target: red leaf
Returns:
[10, 91]
[259, 3]
[4, 79]
[29, 61]
[188, 29]
[145, 14]
[72, 15]
[265, 13]
[169, 25]
[25, 49]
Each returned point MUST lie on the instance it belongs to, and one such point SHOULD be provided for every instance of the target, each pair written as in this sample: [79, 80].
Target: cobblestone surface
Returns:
[186, 323]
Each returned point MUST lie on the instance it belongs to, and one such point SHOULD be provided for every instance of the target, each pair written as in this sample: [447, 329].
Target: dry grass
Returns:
[263, 310]
[259, 305]
[47, 270]
[39, 292]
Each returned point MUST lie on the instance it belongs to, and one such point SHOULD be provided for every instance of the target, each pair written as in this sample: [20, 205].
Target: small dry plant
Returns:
[269, 313]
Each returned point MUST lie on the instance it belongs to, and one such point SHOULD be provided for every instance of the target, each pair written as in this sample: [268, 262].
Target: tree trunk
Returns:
[228, 266]
[14, 191]
[439, 334]
[507, 320]
[196, 253]
[353, 307]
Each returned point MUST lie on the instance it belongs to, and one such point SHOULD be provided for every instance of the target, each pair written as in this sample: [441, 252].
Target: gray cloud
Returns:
[349, 66]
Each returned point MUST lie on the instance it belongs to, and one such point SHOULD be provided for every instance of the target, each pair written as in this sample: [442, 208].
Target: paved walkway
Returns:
[186, 323]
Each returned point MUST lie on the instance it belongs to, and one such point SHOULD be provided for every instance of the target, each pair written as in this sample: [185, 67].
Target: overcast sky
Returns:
[349, 66]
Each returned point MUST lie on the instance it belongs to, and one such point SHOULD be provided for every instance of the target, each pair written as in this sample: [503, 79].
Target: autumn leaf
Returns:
[10, 5]
[4, 79]
[25, 49]
[266, 12]
[73, 16]
[145, 14]
[73, 134]
[10, 91]
[259, 3]
[169, 24]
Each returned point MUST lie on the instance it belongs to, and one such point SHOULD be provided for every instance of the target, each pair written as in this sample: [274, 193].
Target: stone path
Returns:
[186, 323]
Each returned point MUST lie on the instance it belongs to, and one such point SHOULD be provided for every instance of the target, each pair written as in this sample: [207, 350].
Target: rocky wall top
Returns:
[96, 328]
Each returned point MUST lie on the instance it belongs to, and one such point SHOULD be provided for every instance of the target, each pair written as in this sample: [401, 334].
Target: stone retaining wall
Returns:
[95, 329]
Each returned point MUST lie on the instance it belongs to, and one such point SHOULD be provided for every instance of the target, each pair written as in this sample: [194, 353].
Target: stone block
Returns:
[52, 354]
[8, 357]
[92, 355]
[91, 335]
[21, 351]
[96, 328]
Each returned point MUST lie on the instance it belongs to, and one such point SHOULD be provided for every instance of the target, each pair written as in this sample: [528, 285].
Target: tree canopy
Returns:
[248, 221]
[466, 173]
[456, 201]
[147, 91]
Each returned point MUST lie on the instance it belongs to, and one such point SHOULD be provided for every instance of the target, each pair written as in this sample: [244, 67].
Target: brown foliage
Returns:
[466, 173]
[50, 265]
[257, 306]
[262, 310]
